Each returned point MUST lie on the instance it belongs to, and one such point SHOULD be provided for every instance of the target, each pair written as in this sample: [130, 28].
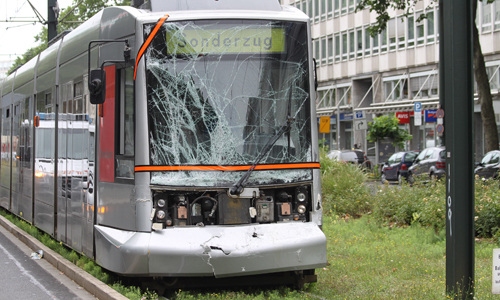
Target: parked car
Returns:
[488, 167]
[396, 168]
[350, 156]
[430, 162]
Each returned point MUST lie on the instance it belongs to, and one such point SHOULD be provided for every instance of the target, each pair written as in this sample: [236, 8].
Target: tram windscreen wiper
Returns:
[240, 185]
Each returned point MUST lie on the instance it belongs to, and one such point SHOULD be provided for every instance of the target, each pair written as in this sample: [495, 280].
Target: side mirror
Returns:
[97, 86]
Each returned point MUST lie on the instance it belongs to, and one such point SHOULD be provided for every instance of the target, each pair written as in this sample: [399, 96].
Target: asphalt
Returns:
[91, 284]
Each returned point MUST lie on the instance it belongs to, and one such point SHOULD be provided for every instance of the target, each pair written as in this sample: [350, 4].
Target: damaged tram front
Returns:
[226, 171]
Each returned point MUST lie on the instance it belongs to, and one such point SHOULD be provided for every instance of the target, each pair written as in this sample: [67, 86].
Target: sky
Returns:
[16, 37]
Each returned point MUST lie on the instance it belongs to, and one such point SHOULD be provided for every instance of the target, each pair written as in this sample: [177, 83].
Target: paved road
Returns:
[24, 278]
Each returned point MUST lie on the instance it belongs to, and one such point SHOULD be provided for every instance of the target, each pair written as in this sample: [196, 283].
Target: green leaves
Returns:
[387, 127]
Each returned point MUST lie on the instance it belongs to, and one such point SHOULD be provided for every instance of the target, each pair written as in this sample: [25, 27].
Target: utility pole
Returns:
[456, 94]
[53, 15]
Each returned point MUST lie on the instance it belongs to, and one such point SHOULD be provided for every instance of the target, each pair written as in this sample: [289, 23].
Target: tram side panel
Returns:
[116, 205]
[6, 152]
[44, 153]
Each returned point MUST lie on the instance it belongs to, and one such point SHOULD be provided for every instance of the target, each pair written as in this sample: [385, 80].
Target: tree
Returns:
[387, 127]
[71, 18]
[381, 7]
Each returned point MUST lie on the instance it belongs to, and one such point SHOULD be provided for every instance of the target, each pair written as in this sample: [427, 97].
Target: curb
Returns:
[91, 284]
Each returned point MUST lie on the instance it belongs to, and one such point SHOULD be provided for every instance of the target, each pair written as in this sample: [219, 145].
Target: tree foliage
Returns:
[71, 18]
[382, 8]
[387, 127]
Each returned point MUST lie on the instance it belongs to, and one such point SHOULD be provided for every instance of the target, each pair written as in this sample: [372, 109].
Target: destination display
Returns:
[226, 40]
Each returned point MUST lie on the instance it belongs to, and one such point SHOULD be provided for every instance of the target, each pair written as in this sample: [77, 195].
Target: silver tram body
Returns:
[146, 183]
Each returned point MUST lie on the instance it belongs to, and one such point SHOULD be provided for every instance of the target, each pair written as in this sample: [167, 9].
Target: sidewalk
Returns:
[91, 284]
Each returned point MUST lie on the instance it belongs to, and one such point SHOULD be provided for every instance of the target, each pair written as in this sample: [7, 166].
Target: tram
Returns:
[174, 139]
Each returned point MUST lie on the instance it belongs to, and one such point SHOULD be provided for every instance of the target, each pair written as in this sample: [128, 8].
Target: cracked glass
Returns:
[219, 91]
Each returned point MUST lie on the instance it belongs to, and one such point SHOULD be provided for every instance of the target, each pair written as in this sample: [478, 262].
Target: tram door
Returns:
[73, 156]
[44, 156]
[5, 153]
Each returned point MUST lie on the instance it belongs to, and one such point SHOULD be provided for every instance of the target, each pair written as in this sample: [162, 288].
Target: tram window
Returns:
[78, 98]
[125, 125]
[48, 99]
[67, 98]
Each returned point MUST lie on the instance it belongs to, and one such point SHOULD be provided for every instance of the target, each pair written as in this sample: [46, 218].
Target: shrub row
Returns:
[347, 193]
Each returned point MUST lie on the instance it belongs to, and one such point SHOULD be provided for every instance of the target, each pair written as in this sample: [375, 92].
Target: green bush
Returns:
[487, 206]
[343, 187]
[422, 204]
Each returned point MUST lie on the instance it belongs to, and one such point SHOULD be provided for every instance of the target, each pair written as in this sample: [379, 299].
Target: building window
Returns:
[424, 86]
[344, 6]
[352, 48]
[359, 43]
[344, 94]
[325, 98]
[316, 10]
[344, 46]
[383, 41]
[375, 43]
[494, 77]
[396, 90]
[323, 51]
[367, 41]
[430, 27]
[496, 4]
[337, 47]
[486, 16]
[329, 8]
[391, 25]
[330, 49]
[401, 32]
[351, 6]
[316, 51]
[411, 31]
[420, 31]
[336, 8]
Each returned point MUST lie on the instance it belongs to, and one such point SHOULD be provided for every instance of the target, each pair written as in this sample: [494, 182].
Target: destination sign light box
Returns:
[226, 40]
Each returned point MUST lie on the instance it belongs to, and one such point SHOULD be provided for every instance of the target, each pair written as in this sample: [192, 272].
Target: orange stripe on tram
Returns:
[148, 41]
[227, 168]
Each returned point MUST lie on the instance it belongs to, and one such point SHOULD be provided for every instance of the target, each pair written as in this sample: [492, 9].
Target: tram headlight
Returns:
[161, 203]
[160, 214]
[301, 197]
[301, 209]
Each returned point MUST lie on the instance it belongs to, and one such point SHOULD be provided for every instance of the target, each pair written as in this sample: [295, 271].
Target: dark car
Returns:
[396, 168]
[488, 167]
[431, 162]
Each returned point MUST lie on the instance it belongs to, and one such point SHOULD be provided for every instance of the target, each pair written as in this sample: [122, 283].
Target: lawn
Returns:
[367, 261]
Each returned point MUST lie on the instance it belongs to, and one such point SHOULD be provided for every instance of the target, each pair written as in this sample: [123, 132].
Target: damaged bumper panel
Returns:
[219, 251]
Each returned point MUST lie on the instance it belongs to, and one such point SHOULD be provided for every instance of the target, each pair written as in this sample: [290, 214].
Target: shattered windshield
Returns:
[218, 91]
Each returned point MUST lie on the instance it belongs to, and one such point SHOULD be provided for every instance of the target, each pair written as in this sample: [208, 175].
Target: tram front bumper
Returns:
[219, 251]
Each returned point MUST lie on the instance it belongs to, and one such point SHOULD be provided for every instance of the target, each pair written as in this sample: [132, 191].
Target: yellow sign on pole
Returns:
[324, 125]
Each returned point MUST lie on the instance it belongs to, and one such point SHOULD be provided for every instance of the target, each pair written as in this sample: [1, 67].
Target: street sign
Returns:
[418, 107]
[360, 114]
[495, 278]
[440, 129]
[404, 117]
[430, 115]
[360, 125]
[417, 116]
[324, 125]
[440, 113]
